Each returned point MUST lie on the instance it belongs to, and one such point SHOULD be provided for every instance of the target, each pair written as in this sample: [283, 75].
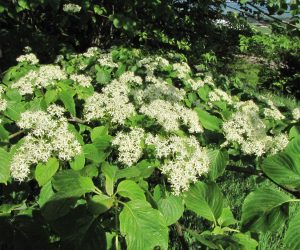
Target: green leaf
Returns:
[226, 218]
[171, 208]
[78, 162]
[56, 205]
[24, 4]
[13, 95]
[103, 76]
[46, 194]
[218, 160]
[209, 121]
[92, 153]
[131, 190]
[90, 170]
[5, 159]
[282, 169]
[206, 200]
[4, 134]
[67, 98]
[203, 239]
[14, 110]
[98, 132]
[44, 172]
[109, 172]
[99, 204]
[245, 241]
[131, 172]
[292, 239]
[203, 92]
[102, 142]
[98, 9]
[72, 184]
[143, 227]
[293, 149]
[80, 230]
[51, 96]
[264, 210]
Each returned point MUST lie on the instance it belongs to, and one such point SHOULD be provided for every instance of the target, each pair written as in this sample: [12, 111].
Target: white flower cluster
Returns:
[296, 114]
[82, 80]
[105, 59]
[273, 112]
[37, 79]
[184, 159]
[153, 63]
[183, 69]
[278, 143]
[129, 146]
[48, 136]
[158, 89]
[130, 77]
[172, 115]
[71, 8]
[112, 103]
[92, 51]
[195, 84]
[247, 129]
[30, 58]
[219, 95]
[3, 102]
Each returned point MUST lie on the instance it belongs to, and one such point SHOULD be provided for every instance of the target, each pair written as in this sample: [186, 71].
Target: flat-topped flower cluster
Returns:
[47, 135]
[146, 103]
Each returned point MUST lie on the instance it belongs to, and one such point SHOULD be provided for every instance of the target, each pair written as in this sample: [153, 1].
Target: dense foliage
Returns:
[113, 145]
[149, 125]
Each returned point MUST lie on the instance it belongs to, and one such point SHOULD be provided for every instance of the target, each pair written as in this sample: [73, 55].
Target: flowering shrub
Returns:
[115, 147]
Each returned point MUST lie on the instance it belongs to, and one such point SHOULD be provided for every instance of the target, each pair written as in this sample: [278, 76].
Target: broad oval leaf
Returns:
[292, 239]
[264, 209]
[92, 153]
[99, 204]
[4, 166]
[109, 172]
[209, 121]
[98, 131]
[131, 190]
[57, 205]
[226, 218]
[218, 160]
[80, 230]
[143, 227]
[67, 99]
[171, 208]
[44, 172]
[282, 169]
[103, 76]
[72, 184]
[78, 162]
[205, 200]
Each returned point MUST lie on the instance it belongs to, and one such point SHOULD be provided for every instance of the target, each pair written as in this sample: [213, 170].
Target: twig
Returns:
[15, 134]
[77, 120]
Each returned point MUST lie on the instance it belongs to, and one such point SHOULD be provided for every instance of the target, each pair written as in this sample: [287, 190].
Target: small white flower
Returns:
[296, 113]
[106, 59]
[37, 79]
[30, 58]
[48, 135]
[82, 80]
[183, 159]
[129, 146]
[71, 8]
